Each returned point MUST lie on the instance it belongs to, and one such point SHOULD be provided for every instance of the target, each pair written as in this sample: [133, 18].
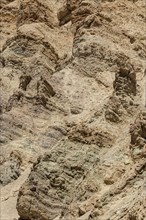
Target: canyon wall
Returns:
[72, 110]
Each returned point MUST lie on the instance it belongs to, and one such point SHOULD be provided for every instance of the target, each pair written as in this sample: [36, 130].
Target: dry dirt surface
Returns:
[73, 110]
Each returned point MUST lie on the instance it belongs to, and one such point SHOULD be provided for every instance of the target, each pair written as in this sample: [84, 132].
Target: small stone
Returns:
[81, 211]
[76, 110]
[136, 152]
[108, 180]
[127, 161]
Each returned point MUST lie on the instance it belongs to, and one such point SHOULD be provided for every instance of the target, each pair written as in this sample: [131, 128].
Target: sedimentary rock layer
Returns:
[72, 109]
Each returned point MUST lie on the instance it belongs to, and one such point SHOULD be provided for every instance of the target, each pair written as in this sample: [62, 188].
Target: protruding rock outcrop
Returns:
[138, 137]
[10, 169]
[123, 95]
[56, 184]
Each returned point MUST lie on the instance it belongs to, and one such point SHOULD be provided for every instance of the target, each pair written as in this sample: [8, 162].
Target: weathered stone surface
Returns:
[72, 85]
[58, 179]
[124, 91]
[10, 169]
[85, 134]
[138, 136]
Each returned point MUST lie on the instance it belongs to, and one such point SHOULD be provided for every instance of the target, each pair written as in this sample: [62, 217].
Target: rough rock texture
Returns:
[10, 169]
[72, 109]
[138, 136]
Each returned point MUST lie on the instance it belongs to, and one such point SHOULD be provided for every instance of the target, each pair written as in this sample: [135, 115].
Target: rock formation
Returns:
[72, 110]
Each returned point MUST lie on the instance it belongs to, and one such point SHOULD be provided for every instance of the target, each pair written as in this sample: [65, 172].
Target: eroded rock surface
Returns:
[72, 108]
[138, 136]
[10, 169]
[58, 179]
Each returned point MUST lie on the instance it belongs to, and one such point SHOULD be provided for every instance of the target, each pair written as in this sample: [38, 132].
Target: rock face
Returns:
[72, 108]
[138, 136]
[10, 169]
[58, 179]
